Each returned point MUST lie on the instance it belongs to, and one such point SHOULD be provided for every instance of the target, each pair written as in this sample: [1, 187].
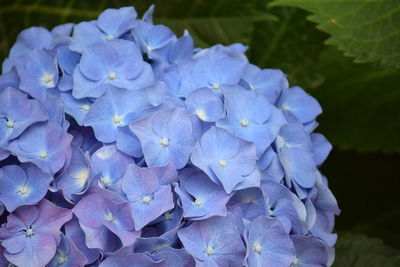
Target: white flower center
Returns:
[198, 202]
[62, 259]
[201, 114]
[209, 250]
[117, 120]
[85, 108]
[112, 75]
[216, 86]
[109, 37]
[23, 190]
[82, 176]
[109, 216]
[222, 163]
[47, 80]
[43, 155]
[296, 261]
[168, 216]
[257, 247]
[164, 142]
[146, 199]
[244, 123]
[29, 232]
[105, 180]
[10, 123]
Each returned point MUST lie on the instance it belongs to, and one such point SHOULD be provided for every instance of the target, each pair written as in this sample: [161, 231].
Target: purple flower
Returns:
[67, 255]
[22, 186]
[214, 242]
[268, 244]
[33, 232]
[117, 63]
[200, 197]
[165, 136]
[45, 145]
[17, 113]
[251, 117]
[38, 72]
[226, 159]
[310, 251]
[147, 198]
[110, 25]
[105, 222]
[140, 259]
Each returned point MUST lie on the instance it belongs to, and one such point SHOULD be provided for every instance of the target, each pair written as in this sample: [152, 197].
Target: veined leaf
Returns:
[368, 30]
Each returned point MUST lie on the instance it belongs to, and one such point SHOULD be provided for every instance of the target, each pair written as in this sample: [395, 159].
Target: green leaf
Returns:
[368, 30]
[361, 104]
[356, 250]
[210, 22]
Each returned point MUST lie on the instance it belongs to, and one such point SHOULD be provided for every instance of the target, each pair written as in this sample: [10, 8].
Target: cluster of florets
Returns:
[121, 144]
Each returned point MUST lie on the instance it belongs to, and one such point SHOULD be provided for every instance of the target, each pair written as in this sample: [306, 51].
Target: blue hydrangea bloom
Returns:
[117, 63]
[214, 242]
[200, 197]
[226, 159]
[165, 136]
[44, 144]
[74, 232]
[38, 73]
[111, 24]
[148, 198]
[303, 106]
[310, 251]
[206, 105]
[159, 153]
[261, 250]
[113, 111]
[109, 165]
[25, 185]
[33, 232]
[267, 82]
[17, 113]
[67, 254]
[107, 220]
[27, 40]
[251, 117]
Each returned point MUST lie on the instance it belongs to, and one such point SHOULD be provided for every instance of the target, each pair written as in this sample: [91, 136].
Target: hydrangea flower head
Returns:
[123, 143]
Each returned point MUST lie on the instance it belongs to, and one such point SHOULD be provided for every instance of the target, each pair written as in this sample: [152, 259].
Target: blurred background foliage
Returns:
[346, 53]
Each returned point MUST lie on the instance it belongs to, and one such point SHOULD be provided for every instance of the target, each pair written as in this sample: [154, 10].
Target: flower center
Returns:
[109, 217]
[146, 199]
[257, 247]
[201, 114]
[168, 216]
[82, 176]
[244, 123]
[209, 250]
[216, 86]
[112, 75]
[198, 202]
[29, 232]
[164, 142]
[222, 163]
[105, 180]
[10, 123]
[43, 155]
[61, 259]
[295, 262]
[85, 108]
[117, 120]
[47, 80]
[23, 190]
[109, 37]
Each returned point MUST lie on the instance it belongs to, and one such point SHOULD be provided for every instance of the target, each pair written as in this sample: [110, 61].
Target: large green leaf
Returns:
[210, 22]
[356, 250]
[361, 104]
[368, 30]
